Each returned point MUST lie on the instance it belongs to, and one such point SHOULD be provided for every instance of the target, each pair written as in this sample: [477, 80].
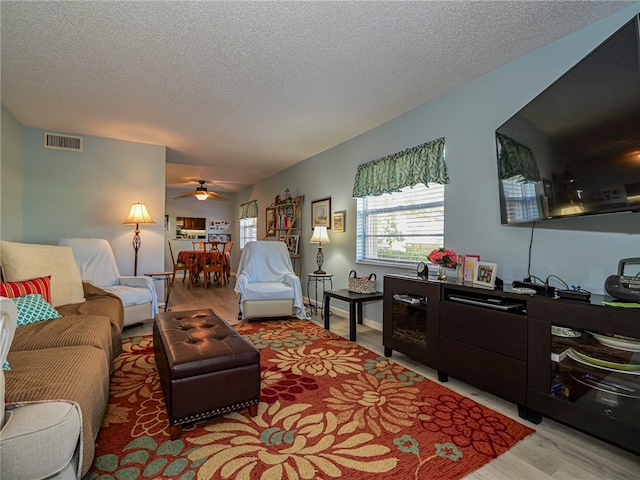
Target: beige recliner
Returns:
[266, 282]
[37, 439]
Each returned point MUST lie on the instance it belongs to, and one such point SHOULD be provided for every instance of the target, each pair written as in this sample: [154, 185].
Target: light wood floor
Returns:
[555, 451]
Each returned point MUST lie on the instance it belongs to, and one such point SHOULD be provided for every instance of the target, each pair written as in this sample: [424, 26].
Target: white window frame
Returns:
[417, 216]
[520, 200]
[248, 230]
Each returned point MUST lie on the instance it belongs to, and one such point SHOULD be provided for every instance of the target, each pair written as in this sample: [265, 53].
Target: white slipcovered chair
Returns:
[97, 264]
[37, 439]
[266, 282]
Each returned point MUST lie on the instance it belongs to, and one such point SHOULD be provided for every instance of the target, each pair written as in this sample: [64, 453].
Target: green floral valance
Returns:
[248, 210]
[516, 160]
[421, 164]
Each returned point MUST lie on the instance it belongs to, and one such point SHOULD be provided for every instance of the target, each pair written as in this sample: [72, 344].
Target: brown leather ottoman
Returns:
[206, 368]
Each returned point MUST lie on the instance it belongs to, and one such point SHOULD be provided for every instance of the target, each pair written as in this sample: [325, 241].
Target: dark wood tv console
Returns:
[573, 361]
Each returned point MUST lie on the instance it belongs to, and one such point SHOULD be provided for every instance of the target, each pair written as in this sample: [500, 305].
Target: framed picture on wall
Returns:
[321, 213]
[338, 221]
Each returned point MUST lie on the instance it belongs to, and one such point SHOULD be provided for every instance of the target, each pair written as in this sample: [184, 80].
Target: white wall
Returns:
[11, 178]
[89, 194]
[582, 251]
[192, 207]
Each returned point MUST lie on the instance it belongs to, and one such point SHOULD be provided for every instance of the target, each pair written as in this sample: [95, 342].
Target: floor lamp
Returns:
[138, 216]
[320, 236]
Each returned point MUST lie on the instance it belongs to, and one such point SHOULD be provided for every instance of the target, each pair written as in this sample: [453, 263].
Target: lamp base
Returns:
[319, 260]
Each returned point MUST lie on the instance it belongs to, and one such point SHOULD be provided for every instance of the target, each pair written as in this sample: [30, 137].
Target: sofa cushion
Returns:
[100, 302]
[33, 308]
[40, 285]
[23, 261]
[54, 424]
[79, 374]
[67, 331]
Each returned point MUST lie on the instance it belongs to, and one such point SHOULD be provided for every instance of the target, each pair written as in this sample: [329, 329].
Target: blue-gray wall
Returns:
[89, 194]
[582, 251]
[11, 178]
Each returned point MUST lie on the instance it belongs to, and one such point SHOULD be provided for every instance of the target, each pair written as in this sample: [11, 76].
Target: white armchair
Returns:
[266, 282]
[37, 439]
[97, 264]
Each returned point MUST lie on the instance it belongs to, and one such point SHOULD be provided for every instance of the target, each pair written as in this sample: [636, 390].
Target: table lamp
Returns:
[137, 216]
[320, 236]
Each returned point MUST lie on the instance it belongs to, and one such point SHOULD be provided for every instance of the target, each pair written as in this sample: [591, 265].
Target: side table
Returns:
[166, 276]
[318, 277]
[355, 301]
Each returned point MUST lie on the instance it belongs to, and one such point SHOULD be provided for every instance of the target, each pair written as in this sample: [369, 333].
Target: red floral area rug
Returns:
[329, 409]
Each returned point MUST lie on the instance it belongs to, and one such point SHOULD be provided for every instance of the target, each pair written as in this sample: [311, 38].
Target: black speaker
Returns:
[621, 290]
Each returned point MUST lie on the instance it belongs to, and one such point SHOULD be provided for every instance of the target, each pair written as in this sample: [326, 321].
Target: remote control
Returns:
[524, 290]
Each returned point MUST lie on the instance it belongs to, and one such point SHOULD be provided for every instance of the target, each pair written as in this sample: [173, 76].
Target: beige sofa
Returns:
[69, 358]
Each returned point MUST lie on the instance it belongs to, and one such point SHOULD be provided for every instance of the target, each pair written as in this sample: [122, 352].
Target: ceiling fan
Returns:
[202, 194]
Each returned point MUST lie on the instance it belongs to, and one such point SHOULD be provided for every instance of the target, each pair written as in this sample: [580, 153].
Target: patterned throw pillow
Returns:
[40, 285]
[33, 308]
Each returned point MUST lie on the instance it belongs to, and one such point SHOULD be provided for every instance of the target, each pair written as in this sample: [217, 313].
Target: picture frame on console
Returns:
[485, 275]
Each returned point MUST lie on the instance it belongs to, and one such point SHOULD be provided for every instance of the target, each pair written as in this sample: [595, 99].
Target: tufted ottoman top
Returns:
[198, 342]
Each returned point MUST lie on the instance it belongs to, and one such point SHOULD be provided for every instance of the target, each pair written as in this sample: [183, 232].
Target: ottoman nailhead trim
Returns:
[217, 411]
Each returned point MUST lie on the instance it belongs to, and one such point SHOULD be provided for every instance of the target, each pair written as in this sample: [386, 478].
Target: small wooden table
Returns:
[355, 300]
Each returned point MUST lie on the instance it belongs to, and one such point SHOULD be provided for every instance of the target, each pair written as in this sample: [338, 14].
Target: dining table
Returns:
[195, 260]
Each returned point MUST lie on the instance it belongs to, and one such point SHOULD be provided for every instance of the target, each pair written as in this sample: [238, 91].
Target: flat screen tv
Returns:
[575, 149]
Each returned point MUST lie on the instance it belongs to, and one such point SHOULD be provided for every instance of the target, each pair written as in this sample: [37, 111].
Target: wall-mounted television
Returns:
[575, 148]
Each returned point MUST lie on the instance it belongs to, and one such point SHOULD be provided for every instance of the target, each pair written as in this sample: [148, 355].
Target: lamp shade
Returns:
[320, 235]
[139, 215]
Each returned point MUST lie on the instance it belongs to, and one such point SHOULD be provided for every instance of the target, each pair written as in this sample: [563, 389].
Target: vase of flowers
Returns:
[444, 258]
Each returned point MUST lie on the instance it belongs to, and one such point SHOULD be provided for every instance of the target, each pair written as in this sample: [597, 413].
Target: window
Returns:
[520, 200]
[401, 228]
[248, 230]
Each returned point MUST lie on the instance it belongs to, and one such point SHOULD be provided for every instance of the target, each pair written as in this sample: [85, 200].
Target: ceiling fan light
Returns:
[202, 196]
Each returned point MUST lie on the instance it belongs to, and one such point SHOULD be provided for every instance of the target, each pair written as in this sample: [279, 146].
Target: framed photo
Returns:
[219, 237]
[271, 222]
[485, 275]
[292, 242]
[219, 225]
[321, 213]
[338, 221]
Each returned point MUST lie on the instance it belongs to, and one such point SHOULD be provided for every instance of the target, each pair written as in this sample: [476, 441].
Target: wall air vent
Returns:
[62, 142]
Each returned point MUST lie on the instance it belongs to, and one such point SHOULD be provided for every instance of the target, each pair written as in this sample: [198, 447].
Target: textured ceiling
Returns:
[238, 91]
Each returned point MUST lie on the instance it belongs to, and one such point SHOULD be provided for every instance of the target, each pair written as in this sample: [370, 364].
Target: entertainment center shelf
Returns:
[574, 361]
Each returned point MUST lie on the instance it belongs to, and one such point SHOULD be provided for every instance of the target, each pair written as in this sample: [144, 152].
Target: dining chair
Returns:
[177, 266]
[215, 246]
[213, 263]
[199, 245]
[226, 267]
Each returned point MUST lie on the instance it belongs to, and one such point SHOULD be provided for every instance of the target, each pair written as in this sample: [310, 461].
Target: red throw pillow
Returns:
[40, 285]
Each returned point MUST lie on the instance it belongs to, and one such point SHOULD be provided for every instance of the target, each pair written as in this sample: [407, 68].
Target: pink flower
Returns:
[443, 256]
